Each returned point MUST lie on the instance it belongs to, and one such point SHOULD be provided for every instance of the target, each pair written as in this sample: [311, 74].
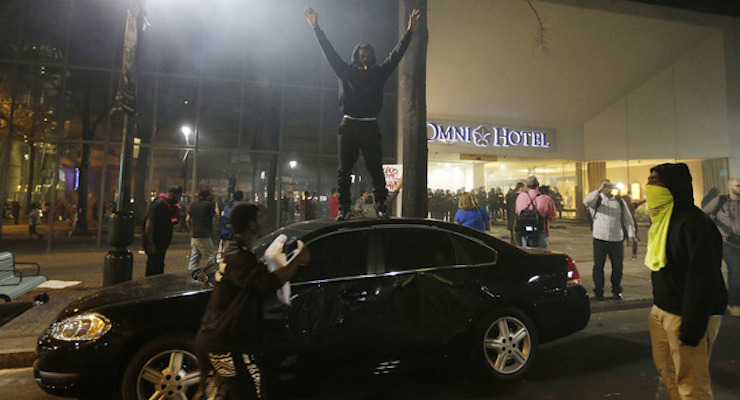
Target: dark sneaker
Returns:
[381, 211]
[599, 297]
[616, 296]
[343, 216]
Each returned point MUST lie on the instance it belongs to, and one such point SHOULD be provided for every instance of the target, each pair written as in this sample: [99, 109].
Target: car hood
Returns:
[155, 287]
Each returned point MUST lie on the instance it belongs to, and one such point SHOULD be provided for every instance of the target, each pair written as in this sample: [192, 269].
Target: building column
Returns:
[479, 176]
[732, 71]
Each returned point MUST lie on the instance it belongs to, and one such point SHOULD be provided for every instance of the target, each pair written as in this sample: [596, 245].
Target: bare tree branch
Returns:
[540, 40]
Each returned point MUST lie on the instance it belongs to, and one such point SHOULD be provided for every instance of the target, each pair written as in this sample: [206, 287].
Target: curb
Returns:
[619, 305]
[17, 358]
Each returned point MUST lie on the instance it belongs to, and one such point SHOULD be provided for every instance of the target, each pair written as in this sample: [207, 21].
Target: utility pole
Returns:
[413, 98]
[119, 261]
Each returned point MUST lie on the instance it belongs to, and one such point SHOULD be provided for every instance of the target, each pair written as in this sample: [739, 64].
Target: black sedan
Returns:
[376, 293]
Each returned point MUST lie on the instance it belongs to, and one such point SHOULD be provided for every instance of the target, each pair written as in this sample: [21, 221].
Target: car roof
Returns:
[313, 228]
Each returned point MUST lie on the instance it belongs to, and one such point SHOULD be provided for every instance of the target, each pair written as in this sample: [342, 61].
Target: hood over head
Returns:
[356, 54]
[677, 179]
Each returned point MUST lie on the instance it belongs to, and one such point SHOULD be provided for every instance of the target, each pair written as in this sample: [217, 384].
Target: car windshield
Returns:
[264, 242]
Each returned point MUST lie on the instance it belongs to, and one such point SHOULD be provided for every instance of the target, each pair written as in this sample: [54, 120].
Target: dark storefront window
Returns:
[220, 102]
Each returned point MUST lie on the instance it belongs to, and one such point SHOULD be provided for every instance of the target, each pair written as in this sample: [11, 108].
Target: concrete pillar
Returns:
[732, 71]
[479, 176]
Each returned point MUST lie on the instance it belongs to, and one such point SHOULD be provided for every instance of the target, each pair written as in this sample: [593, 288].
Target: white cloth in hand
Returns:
[275, 258]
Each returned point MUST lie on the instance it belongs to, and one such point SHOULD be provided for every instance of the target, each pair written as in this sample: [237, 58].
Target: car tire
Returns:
[167, 366]
[505, 344]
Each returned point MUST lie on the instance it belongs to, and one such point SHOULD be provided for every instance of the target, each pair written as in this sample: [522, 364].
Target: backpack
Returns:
[529, 221]
[225, 231]
[590, 217]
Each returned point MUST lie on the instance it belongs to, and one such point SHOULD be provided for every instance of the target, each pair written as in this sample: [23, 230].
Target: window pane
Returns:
[176, 111]
[172, 167]
[261, 118]
[45, 29]
[301, 122]
[97, 32]
[39, 102]
[10, 19]
[407, 249]
[219, 123]
[88, 103]
[469, 252]
[337, 255]
[330, 121]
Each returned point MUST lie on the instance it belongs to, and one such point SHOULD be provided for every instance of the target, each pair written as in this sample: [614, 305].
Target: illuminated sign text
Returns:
[482, 136]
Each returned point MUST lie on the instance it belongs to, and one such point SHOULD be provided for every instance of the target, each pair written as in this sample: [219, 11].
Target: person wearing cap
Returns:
[724, 210]
[532, 198]
[162, 215]
[609, 214]
[684, 253]
[361, 85]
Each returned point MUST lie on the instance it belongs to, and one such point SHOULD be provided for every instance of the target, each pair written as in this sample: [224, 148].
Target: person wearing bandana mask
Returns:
[361, 85]
[689, 294]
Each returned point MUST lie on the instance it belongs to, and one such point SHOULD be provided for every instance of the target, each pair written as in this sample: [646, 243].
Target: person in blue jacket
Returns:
[471, 214]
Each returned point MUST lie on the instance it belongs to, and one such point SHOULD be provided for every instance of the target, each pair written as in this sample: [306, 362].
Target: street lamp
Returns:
[293, 164]
[186, 131]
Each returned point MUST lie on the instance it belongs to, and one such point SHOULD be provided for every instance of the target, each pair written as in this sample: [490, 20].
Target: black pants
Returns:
[615, 251]
[155, 261]
[353, 137]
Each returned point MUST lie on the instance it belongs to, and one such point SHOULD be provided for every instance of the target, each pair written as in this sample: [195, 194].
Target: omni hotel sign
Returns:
[484, 136]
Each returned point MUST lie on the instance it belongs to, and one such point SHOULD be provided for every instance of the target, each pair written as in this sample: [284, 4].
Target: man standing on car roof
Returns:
[689, 294]
[230, 336]
[360, 101]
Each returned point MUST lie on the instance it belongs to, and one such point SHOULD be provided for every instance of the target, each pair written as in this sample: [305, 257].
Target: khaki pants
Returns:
[683, 369]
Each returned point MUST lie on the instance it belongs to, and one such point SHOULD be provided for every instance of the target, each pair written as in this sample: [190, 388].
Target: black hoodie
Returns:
[691, 283]
[360, 89]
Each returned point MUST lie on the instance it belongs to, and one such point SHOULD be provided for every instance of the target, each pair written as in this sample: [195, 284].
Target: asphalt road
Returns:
[610, 359]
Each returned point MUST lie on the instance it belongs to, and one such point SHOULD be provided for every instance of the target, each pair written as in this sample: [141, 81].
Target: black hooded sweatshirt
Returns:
[360, 89]
[691, 283]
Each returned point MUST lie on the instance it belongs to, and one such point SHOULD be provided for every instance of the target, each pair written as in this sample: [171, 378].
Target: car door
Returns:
[332, 318]
[426, 296]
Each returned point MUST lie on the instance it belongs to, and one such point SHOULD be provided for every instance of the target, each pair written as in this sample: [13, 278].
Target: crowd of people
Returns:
[443, 204]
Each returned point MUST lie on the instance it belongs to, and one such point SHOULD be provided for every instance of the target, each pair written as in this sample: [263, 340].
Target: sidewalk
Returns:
[76, 259]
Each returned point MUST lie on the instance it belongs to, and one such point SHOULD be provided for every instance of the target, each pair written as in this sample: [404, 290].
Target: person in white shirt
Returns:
[611, 220]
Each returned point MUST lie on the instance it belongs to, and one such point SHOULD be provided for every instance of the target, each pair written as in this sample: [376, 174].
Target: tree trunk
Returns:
[412, 97]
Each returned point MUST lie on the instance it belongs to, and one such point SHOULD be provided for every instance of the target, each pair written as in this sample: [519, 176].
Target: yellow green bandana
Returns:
[660, 206]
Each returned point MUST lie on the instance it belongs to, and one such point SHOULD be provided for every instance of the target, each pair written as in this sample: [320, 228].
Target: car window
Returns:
[470, 252]
[336, 255]
[412, 248]
[261, 245]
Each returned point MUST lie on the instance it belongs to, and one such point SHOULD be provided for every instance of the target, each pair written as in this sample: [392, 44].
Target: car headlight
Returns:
[89, 326]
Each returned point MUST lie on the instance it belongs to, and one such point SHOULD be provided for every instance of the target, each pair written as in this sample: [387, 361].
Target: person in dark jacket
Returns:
[360, 100]
[163, 214]
[230, 335]
[511, 212]
[689, 294]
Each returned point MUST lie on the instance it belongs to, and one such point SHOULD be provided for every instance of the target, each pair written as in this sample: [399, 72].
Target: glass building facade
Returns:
[232, 95]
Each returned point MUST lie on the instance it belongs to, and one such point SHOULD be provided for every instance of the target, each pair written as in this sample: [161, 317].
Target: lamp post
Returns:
[119, 262]
[186, 131]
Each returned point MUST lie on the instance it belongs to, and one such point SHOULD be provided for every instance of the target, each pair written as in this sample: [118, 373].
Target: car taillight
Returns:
[574, 278]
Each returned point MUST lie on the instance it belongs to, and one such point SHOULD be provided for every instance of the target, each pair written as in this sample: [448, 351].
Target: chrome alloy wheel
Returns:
[171, 374]
[507, 345]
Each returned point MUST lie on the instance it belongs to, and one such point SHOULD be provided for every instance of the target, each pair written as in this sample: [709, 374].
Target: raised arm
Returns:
[335, 61]
[390, 63]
